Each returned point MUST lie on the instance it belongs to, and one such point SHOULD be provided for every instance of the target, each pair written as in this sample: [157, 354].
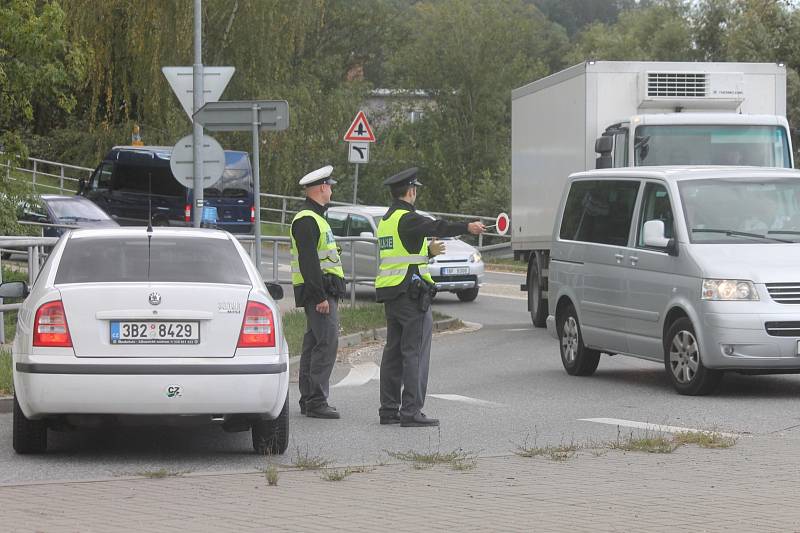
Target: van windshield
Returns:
[704, 144]
[741, 210]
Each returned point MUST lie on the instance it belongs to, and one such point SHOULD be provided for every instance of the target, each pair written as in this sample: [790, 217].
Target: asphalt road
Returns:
[494, 388]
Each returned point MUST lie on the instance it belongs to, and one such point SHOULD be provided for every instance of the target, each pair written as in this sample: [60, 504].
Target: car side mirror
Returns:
[654, 237]
[14, 289]
[275, 290]
[366, 234]
[604, 144]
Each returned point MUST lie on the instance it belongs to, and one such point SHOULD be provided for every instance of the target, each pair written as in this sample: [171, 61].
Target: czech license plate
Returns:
[454, 271]
[154, 332]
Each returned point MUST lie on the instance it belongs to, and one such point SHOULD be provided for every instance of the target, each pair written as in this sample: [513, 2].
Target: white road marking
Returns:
[652, 427]
[466, 399]
[360, 375]
[519, 329]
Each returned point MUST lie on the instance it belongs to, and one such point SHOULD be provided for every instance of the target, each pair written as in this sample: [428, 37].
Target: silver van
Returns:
[694, 267]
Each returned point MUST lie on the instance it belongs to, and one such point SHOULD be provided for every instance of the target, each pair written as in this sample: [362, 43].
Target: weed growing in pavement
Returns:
[705, 439]
[561, 452]
[335, 474]
[647, 442]
[304, 461]
[161, 473]
[271, 475]
[456, 459]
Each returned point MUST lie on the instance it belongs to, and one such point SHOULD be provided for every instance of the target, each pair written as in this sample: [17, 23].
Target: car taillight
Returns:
[258, 329]
[50, 326]
[252, 214]
[187, 212]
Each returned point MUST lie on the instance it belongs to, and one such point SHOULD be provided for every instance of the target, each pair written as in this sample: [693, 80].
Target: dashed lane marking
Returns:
[466, 399]
[652, 427]
[360, 374]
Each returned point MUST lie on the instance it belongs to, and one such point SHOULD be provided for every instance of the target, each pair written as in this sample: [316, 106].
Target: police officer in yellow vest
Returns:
[405, 287]
[318, 282]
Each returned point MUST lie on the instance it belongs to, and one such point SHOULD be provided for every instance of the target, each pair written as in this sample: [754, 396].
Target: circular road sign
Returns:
[182, 161]
[502, 224]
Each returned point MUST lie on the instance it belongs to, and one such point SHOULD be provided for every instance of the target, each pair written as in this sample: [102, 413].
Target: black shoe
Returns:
[419, 420]
[323, 411]
[302, 408]
[393, 418]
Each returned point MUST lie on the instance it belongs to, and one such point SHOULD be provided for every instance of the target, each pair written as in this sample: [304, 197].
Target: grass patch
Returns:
[705, 439]
[505, 263]
[306, 461]
[457, 459]
[6, 380]
[274, 229]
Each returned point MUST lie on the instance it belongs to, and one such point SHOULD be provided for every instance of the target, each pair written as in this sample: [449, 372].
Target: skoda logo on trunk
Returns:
[154, 298]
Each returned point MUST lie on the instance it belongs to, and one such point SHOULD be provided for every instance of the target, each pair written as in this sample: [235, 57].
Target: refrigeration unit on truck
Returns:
[606, 114]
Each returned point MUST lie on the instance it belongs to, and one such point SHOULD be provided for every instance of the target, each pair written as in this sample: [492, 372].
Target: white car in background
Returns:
[459, 270]
[167, 325]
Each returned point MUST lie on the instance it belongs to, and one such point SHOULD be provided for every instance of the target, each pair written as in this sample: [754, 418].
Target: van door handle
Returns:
[634, 260]
[619, 257]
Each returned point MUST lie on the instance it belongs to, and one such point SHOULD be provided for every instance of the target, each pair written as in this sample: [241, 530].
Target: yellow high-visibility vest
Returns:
[329, 260]
[395, 260]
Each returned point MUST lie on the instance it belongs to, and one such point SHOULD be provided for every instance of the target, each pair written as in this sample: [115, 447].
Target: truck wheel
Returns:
[272, 436]
[468, 295]
[682, 360]
[536, 301]
[29, 436]
[578, 360]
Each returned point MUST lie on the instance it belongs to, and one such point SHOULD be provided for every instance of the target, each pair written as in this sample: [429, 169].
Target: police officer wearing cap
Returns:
[405, 287]
[318, 281]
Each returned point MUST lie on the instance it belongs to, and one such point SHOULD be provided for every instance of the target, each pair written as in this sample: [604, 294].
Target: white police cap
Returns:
[318, 177]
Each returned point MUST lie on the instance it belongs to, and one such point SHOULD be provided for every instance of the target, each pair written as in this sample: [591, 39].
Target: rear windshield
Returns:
[171, 259]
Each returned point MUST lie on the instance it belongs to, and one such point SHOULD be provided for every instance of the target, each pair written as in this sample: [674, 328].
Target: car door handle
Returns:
[619, 257]
[634, 259]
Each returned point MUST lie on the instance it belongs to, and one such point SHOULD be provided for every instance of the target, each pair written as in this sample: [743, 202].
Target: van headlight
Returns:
[475, 257]
[729, 289]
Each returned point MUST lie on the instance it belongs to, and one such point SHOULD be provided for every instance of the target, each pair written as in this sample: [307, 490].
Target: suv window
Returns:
[121, 259]
[599, 211]
[655, 206]
[337, 222]
[359, 224]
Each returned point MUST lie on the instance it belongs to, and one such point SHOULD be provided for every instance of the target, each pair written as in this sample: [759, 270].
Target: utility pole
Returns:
[197, 128]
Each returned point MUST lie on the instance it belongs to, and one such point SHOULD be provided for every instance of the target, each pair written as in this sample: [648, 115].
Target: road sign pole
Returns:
[355, 187]
[257, 189]
[197, 128]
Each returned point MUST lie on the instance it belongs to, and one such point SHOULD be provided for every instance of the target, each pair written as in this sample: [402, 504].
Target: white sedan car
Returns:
[149, 326]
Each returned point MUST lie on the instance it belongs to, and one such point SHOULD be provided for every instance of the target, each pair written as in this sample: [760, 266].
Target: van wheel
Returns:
[29, 436]
[271, 437]
[468, 295]
[578, 360]
[536, 300]
[682, 359]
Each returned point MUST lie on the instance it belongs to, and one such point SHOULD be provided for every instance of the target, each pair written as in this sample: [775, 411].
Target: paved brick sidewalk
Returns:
[753, 486]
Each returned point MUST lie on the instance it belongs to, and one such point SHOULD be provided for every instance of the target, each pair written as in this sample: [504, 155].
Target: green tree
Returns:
[39, 70]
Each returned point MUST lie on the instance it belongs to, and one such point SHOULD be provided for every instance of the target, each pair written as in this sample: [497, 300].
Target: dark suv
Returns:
[134, 180]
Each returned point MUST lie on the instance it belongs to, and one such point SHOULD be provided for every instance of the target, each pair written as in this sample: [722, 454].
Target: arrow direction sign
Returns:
[359, 130]
[358, 152]
[273, 115]
[215, 79]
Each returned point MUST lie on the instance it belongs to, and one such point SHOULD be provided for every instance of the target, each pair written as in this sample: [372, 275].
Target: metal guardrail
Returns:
[37, 168]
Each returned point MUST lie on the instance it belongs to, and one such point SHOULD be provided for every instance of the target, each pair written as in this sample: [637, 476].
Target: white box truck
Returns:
[603, 114]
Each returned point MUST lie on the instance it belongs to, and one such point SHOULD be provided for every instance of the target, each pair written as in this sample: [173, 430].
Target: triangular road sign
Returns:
[181, 79]
[359, 130]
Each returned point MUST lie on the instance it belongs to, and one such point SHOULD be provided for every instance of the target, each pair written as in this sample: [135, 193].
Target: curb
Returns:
[354, 339]
[346, 341]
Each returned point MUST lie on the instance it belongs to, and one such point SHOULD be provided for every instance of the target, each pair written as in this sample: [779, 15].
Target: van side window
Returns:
[337, 222]
[655, 206]
[102, 178]
[599, 211]
[359, 224]
[131, 178]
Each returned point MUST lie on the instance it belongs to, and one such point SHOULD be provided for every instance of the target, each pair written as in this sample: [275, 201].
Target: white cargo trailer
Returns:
[603, 114]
